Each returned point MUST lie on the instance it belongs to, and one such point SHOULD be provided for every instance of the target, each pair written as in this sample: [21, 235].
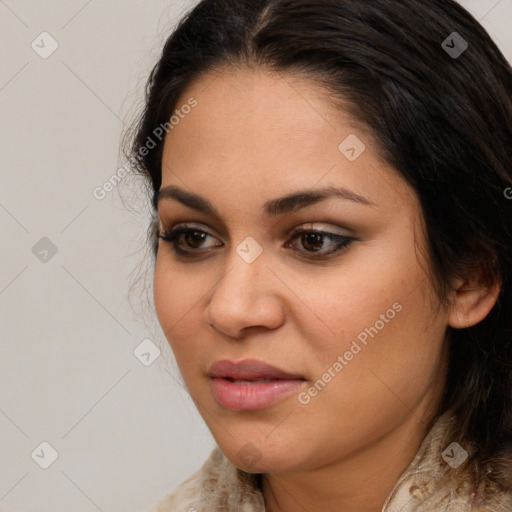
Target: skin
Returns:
[255, 136]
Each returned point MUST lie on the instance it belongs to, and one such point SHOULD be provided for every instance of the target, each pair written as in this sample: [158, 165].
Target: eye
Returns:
[313, 241]
[193, 237]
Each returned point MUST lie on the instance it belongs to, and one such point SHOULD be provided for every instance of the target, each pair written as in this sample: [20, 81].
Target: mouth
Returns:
[251, 385]
[256, 381]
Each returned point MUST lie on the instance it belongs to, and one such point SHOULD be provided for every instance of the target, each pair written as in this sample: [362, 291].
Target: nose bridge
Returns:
[243, 296]
[245, 267]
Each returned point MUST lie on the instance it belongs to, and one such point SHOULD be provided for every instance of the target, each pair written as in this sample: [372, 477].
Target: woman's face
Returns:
[353, 320]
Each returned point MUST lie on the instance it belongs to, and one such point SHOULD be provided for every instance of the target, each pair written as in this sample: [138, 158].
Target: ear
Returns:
[473, 299]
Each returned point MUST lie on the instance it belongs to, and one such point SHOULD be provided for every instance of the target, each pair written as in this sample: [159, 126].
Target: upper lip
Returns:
[248, 369]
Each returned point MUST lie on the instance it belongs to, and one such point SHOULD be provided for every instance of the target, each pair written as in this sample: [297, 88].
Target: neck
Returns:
[360, 482]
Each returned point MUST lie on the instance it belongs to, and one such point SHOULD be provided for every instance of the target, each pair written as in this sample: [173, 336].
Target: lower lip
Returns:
[251, 397]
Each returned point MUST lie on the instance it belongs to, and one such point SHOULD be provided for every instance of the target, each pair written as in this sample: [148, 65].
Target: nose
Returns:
[246, 295]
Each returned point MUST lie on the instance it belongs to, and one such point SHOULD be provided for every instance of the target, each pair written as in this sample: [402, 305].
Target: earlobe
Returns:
[472, 302]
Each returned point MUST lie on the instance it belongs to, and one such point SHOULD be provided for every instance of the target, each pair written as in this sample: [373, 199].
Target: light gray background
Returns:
[125, 433]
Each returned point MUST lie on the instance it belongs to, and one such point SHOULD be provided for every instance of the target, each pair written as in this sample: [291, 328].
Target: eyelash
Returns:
[171, 236]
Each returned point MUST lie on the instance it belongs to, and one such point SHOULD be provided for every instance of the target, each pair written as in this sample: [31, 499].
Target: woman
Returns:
[331, 184]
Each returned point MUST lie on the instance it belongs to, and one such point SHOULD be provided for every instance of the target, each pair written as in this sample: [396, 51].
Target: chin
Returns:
[248, 457]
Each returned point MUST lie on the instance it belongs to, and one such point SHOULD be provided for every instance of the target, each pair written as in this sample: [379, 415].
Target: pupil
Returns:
[195, 237]
[311, 238]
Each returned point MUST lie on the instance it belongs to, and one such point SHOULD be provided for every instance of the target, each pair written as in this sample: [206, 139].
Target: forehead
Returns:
[235, 104]
[253, 129]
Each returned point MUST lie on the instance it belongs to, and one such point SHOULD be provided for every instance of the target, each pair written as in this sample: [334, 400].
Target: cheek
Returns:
[359, 296]
[178, 298]
[175, 296]
[391, 354]
[164, 296]
[382, 320]
[379, 382]
[170, 309]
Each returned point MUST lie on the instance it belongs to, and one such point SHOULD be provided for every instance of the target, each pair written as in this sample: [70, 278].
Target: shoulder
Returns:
[217, 485]
[441, 477]
[495, 490]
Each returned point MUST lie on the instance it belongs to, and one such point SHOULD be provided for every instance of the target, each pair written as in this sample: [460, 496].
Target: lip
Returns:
[248, 369]
[251, 396]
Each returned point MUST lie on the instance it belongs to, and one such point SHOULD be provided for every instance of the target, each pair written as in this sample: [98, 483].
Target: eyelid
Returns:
[314, 226]
[199, 226]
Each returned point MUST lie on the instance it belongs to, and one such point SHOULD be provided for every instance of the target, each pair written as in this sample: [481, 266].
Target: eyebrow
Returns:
[279, 206]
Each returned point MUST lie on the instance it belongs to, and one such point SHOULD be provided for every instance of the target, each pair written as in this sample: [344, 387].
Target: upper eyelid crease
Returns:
[272, 208]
